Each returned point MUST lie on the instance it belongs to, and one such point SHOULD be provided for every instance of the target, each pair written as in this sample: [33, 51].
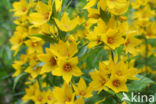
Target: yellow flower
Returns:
[67, 68]
[117, 84]
[18, 67]
[66, 24]
[34, 45]
[49, 97]
[99, 80]
[90, 4]
[143, 15]
[18, 38]
[20, 7]
[131, 43]
[82, 89]
[34, 70]
[94, 38]
[30, 92]
[65, 49]
[63, 95]
[49, 59]
[40, 97]
[58, 5]
[79, 101]
[113, 38]
[42, 15]
[48, 29]
[150, 31]
[117, 7]
[104, 67]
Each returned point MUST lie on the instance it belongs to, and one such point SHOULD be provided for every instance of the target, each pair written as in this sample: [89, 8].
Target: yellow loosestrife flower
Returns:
[67, 68]
[66, 24]
[42, 15]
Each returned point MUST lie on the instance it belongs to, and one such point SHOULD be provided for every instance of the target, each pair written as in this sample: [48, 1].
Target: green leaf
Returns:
[139, 85]
[17, 79]
[105, 15]
[7, 4]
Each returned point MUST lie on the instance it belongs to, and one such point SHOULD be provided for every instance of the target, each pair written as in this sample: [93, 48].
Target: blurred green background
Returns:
[7, 94]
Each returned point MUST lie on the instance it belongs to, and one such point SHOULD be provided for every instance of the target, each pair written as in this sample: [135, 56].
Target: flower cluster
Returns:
[57, 47]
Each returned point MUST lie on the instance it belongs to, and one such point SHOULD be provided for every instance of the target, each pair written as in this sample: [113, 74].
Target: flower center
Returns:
[24, 9]
[127, 42]
[119, 73]
[82, 93]
[34, 44]
[116, 83]
[49, 98]
[110, 40]
[67, 99]
[102, 81]
[40, 98]
[67, 67]
[53, 61]
[46, 16]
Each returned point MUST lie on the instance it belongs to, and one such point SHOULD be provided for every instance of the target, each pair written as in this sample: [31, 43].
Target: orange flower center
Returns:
[119, 73]
[40, 98]
[49, 98]
[98, 40]
[20, 41]
[53, 61]
[34, 44]
[82, 93]
[102, 81]
[46, 16]
[67, 99]
[67, 67]
[116, 83]
[127, 42]
[110, 40]
[24, 9]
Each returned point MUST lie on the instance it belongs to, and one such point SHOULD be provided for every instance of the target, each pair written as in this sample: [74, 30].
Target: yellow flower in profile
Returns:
[117, 84]
[49, 59]
[48, 29]
[117, 7]
[34, 45]
[58, 5]
[113, 38]
[90, 4]
[82, 89]
[31, 92]
[63, 95]
[99, 80]
[131, 43]
[34, 70]
[79, 101]
[17, 40]
[150, 31]
[65, 49]
[67, 68]
[17, 65]
[20, 7]
[94, 38]
[42, 15]
[66, 24]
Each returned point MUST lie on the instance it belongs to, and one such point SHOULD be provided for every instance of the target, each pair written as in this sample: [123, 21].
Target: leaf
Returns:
[105, 15]
[139, 85]
[17, 79]
[7, 4]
